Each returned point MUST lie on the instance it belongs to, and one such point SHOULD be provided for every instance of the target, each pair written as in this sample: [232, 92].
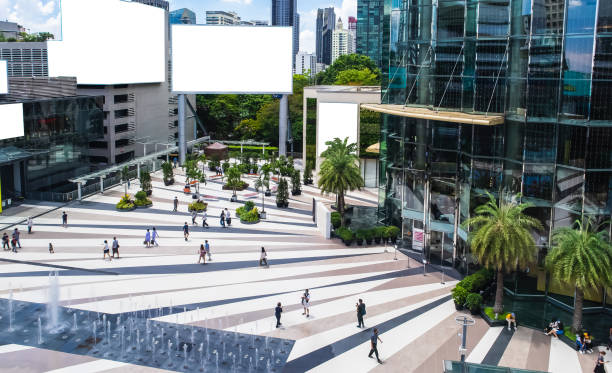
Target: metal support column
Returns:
[282, 125]
[101, 184]
[182, 145]
[138, 171]
[79, 194]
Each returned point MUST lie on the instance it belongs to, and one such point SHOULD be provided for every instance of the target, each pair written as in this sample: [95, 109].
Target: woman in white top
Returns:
[263, 259]
[30, 225]
[306, 303]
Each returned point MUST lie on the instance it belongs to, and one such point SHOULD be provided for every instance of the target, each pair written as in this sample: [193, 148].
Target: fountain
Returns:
[53, 303]
[176, 338]
[74, 321]
[10, 309]
[94, 332]
[40, 340]
[185, 357]
[138, 340]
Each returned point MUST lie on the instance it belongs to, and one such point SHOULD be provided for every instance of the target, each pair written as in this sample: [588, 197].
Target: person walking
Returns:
[115, 246]
[30, 223]
[277, 312]
[51, 251]
[202, 252]
[361, 311]
[186, 231]
[204, 216]
[155, 238]
[5, 242]
[600, 363]
[14, 244]
[374, 345]
[147, 240]
[16, 235]
[222, 219]
[64, 219]
[306, 303]
[194, 215]
[263, 259]
[207, 248]
[106, 251]
[175, 203]
[228, 217]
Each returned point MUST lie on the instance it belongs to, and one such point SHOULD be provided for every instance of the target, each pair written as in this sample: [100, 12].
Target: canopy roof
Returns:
[442, 116]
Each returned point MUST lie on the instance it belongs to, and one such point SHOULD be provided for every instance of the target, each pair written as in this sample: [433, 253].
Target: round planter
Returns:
[234, 199]
[458, 307]
[297, 193]
[149, 192]
[144, 207]
[248, 222]
[475, 311]
[168, 182]
[348, 243]
[126, 210]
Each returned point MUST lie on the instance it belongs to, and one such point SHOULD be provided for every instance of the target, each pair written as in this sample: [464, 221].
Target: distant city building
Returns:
[342, 41]
[369, 29]
[352, 23]
[326, 24]
[284, 13]
[10, 29]
[156, 3]
[306, 63]
[25, 59]
[219, 17]
[254, 23]
[182, 16]
[352, 27]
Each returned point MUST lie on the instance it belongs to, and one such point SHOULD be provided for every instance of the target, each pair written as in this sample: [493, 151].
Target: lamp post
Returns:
[395, 254]
[464, 321]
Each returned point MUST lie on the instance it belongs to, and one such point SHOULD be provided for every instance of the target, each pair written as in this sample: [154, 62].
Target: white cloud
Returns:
[35, 16]
[348, 9]
[307, 41]
[47, 8]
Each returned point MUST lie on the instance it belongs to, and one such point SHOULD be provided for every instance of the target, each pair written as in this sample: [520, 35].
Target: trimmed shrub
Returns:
[459, 295]
[473, 302]
[251, 216]
[125, 203]
[345, 234]
[198, 206]
[336, 219]
[391, 232]
[249, 205]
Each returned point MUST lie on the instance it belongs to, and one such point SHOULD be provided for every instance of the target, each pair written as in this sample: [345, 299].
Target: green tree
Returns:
[364, 76]
[125, 175]
[347, 62]
[580, 257]
[145, 181]
[233, 178]
[501, 239]
[339, 171]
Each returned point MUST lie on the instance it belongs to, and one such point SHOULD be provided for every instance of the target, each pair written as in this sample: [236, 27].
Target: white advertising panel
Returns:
[11, 121]
[336, 120]
[107, 42]
[3, 77]
[232, 59]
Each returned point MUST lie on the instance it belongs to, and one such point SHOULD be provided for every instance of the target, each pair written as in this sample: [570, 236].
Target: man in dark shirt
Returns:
[277, 312]
[186, 231]
[64, 219]
[360, 312]
[374, 341]
[175, 203]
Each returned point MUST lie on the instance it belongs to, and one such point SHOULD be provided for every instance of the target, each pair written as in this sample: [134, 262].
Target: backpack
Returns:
[363, 309]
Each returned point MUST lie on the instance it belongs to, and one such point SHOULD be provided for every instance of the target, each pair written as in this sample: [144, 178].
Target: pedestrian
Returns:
[30, 224]
[306, 303]
[207, 248]
[51, 251]
[115, 247]
[14, 244]
[16, 235]
[6, 245]
[277, 312]
[175, 203]
[263, 259]
[175, 161]
[228, 217]
[361, 311]
[186, 231]
[155, 238]
[374, 345]
[128, 183]
[64, 219]
[204, 223]
[106, 251]
[202, 252]
[194, 215]
[600, 363]
[222, 219]
[511, 320]
[147, 240]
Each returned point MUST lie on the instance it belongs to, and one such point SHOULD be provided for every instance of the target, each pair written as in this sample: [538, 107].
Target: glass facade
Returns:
[369, 29]
[57, 136]
[545, 65]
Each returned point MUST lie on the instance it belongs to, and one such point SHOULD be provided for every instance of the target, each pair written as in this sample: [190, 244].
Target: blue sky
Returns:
[43, 15]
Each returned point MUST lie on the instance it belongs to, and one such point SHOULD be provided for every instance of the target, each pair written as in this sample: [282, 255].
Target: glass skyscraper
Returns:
[370, 29]
[543, 70]
[284, 13]
[182, 16]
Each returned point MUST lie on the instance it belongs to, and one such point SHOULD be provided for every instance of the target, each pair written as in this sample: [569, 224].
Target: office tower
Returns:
[284, 13]
[352, 27]
[342, 41]
[306, 63]
[326, 24]
[220, 17]
[369, 29]
[182, 16]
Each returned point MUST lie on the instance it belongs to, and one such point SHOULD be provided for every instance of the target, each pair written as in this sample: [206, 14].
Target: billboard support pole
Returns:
[282, 125]
[181, 129]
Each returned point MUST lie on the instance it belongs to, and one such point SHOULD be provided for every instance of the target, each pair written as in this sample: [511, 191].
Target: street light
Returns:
[464, 321]
[395, 254]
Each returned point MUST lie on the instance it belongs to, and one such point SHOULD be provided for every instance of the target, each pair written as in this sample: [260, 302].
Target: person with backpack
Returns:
[361, 311]
[186, 231]
[306, 303]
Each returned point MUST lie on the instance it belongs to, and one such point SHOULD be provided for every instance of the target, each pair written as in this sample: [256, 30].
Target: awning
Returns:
[442, 116]
[374, 148]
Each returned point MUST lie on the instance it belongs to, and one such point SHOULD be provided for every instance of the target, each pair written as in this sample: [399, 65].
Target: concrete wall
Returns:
[369, 171]
[323, 219]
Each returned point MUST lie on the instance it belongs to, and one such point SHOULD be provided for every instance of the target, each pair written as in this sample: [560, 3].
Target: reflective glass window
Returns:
[569, 187]
[539, 142]
[581, 16]
[604, 17]
[599, 147]
[571, 145]
[598, 193]
[537, 181]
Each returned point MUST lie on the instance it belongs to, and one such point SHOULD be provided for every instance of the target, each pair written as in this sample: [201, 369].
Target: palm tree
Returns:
[339, 172]
[501, 239]
[125, 175]
[581, 257]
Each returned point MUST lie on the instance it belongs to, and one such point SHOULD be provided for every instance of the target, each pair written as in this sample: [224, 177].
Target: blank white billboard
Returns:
[107, 42]
[11, 121]
[336, 120]
[3, 77]
[232, 59]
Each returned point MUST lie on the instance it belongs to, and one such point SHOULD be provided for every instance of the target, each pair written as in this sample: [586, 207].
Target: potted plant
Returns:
[459, 297]
[473, 302]
[233, 181]
[360, 236]
[346, 235]
[307, 174]
[145, 182]
[168, 173]
[379, 232]
[369, 235]
[125, 203]
[282, 195]
[262, 183]
[391, 233]
[336, 219]
[141, 200]
[266, 169]
[296, 186]
[125, 175]
[197, 206]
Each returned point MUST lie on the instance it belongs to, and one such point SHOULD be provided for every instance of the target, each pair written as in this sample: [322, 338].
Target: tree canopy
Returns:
[357, 62]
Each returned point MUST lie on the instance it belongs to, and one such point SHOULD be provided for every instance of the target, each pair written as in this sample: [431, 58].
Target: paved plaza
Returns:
[230, 301]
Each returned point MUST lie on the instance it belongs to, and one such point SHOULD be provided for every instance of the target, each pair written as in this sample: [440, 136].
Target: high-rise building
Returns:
[306, 63]
[352, 27]
[284, 13]
[220, 17]
[342, 41]
[352, 23]
[182, 16]
[370, 29]
[522, 111]
[326, 24]
[163, 4]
